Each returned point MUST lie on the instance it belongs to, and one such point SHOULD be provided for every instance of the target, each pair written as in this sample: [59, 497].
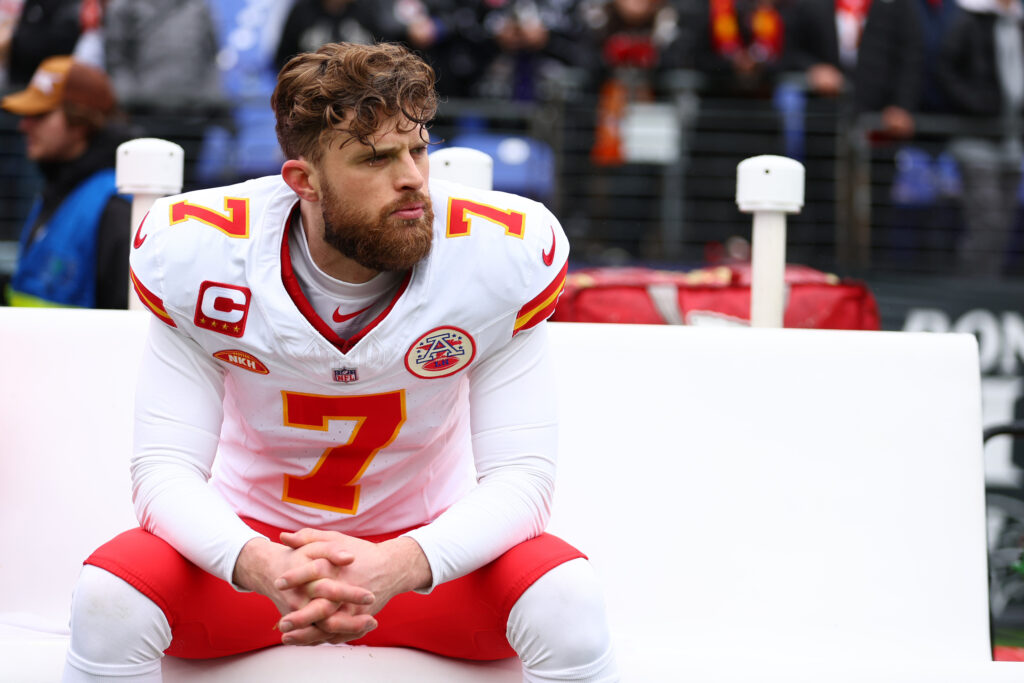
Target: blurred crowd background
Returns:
[627, 117]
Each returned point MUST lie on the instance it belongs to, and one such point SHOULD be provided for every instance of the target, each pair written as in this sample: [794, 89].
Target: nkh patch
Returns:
[440, 352]
[242, 359]
[345, 375]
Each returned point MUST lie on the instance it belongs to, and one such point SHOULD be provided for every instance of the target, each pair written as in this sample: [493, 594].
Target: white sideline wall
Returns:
[762, 505]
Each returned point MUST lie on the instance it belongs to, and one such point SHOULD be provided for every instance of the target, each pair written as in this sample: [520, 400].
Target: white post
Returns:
[463, 165]
[769, 187]
[147, 169]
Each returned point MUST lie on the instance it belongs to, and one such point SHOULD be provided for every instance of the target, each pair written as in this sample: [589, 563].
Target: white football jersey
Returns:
[363, 435]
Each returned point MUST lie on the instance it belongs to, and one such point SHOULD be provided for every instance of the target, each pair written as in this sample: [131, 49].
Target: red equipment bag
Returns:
[718, 295]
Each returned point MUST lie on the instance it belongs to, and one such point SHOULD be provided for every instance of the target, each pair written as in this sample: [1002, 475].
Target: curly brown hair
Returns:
[316, 90]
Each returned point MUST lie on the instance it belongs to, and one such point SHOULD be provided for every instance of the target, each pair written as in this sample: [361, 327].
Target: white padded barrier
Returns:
[762, 505]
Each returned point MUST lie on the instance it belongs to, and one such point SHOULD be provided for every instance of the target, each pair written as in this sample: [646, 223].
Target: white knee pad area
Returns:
[116, 631]
[559, 628]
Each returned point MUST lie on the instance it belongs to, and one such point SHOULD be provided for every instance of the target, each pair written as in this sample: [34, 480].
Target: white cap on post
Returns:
[147, 169]
[463, 165]
[769, 187]
[770, 183]
[150, 166]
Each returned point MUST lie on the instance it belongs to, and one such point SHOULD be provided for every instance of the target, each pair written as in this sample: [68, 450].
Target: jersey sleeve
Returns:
[178, 415]
[513, 421]
[546, 259]
[146, 267]
[514, 437]
[517, 256]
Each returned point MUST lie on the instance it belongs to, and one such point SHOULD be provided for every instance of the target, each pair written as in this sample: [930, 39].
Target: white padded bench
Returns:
[762, 505]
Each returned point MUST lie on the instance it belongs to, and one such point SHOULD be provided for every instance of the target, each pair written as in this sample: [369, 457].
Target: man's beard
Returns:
[383, 243]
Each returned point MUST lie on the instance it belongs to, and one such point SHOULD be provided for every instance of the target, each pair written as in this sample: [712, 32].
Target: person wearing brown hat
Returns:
[74, 244]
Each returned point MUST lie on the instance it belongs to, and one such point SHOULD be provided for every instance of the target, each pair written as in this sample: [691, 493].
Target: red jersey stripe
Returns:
[150, 300]
[543, 305]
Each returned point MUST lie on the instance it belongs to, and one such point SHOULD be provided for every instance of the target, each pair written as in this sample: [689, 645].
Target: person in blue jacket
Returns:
[74, 245]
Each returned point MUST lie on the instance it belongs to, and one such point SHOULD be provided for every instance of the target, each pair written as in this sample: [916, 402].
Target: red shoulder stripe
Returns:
[541, 306]
[150, 300]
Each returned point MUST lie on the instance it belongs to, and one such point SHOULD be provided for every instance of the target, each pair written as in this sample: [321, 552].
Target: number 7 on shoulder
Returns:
[459, 211]
[234, 222]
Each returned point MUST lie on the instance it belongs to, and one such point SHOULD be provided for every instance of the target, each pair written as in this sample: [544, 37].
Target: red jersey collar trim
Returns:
[291, 285]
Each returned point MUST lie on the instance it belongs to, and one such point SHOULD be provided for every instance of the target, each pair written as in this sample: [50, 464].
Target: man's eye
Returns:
[375, 161]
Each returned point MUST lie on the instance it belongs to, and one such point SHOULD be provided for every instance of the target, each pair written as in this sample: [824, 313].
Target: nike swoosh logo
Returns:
[549, 256]
[139, 237]
[340, 317]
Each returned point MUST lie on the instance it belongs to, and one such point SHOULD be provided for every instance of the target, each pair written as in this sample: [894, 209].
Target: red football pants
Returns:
[464, 618]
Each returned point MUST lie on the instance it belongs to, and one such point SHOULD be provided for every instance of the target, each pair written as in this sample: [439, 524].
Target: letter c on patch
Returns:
[226, 305]
[223, 308]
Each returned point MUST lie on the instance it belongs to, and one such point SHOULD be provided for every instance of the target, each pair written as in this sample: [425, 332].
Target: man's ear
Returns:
[299, 175]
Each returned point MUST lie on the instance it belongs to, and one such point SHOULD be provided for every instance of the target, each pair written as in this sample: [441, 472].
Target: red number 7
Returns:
[460, 209]
[234, 222]
[331, 484]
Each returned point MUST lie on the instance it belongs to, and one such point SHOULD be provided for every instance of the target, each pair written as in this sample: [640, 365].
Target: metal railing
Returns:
[676, 210]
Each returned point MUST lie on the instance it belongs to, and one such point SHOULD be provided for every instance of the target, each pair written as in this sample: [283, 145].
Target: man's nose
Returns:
[409, 176]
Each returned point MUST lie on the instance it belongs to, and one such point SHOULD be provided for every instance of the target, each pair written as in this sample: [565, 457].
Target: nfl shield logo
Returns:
[345, 375]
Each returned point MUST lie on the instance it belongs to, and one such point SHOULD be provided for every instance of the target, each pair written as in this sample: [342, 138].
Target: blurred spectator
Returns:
[536, 41]
[449, 34]
[45, 28]
[312, 23]
[10, 10]
[936, 16]
[889, 64]
[89, 48]
[14, 168]
[740, 46]
[419, 28]
[74, 245]
[857, 56]
[982, 71]
[874, 46]
[162, 59]
[920, 224]
[509, 49]
[452, 37]
[630, 43]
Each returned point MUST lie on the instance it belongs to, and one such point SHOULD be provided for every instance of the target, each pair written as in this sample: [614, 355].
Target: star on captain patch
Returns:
[346, 375]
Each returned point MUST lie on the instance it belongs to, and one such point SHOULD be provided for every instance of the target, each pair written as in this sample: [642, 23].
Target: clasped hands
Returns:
[327, 585]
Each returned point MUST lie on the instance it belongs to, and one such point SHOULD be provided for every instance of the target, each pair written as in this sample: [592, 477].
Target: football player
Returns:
[345, 426]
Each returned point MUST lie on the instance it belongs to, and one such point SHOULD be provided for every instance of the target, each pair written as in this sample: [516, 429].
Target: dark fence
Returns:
[871, 205]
